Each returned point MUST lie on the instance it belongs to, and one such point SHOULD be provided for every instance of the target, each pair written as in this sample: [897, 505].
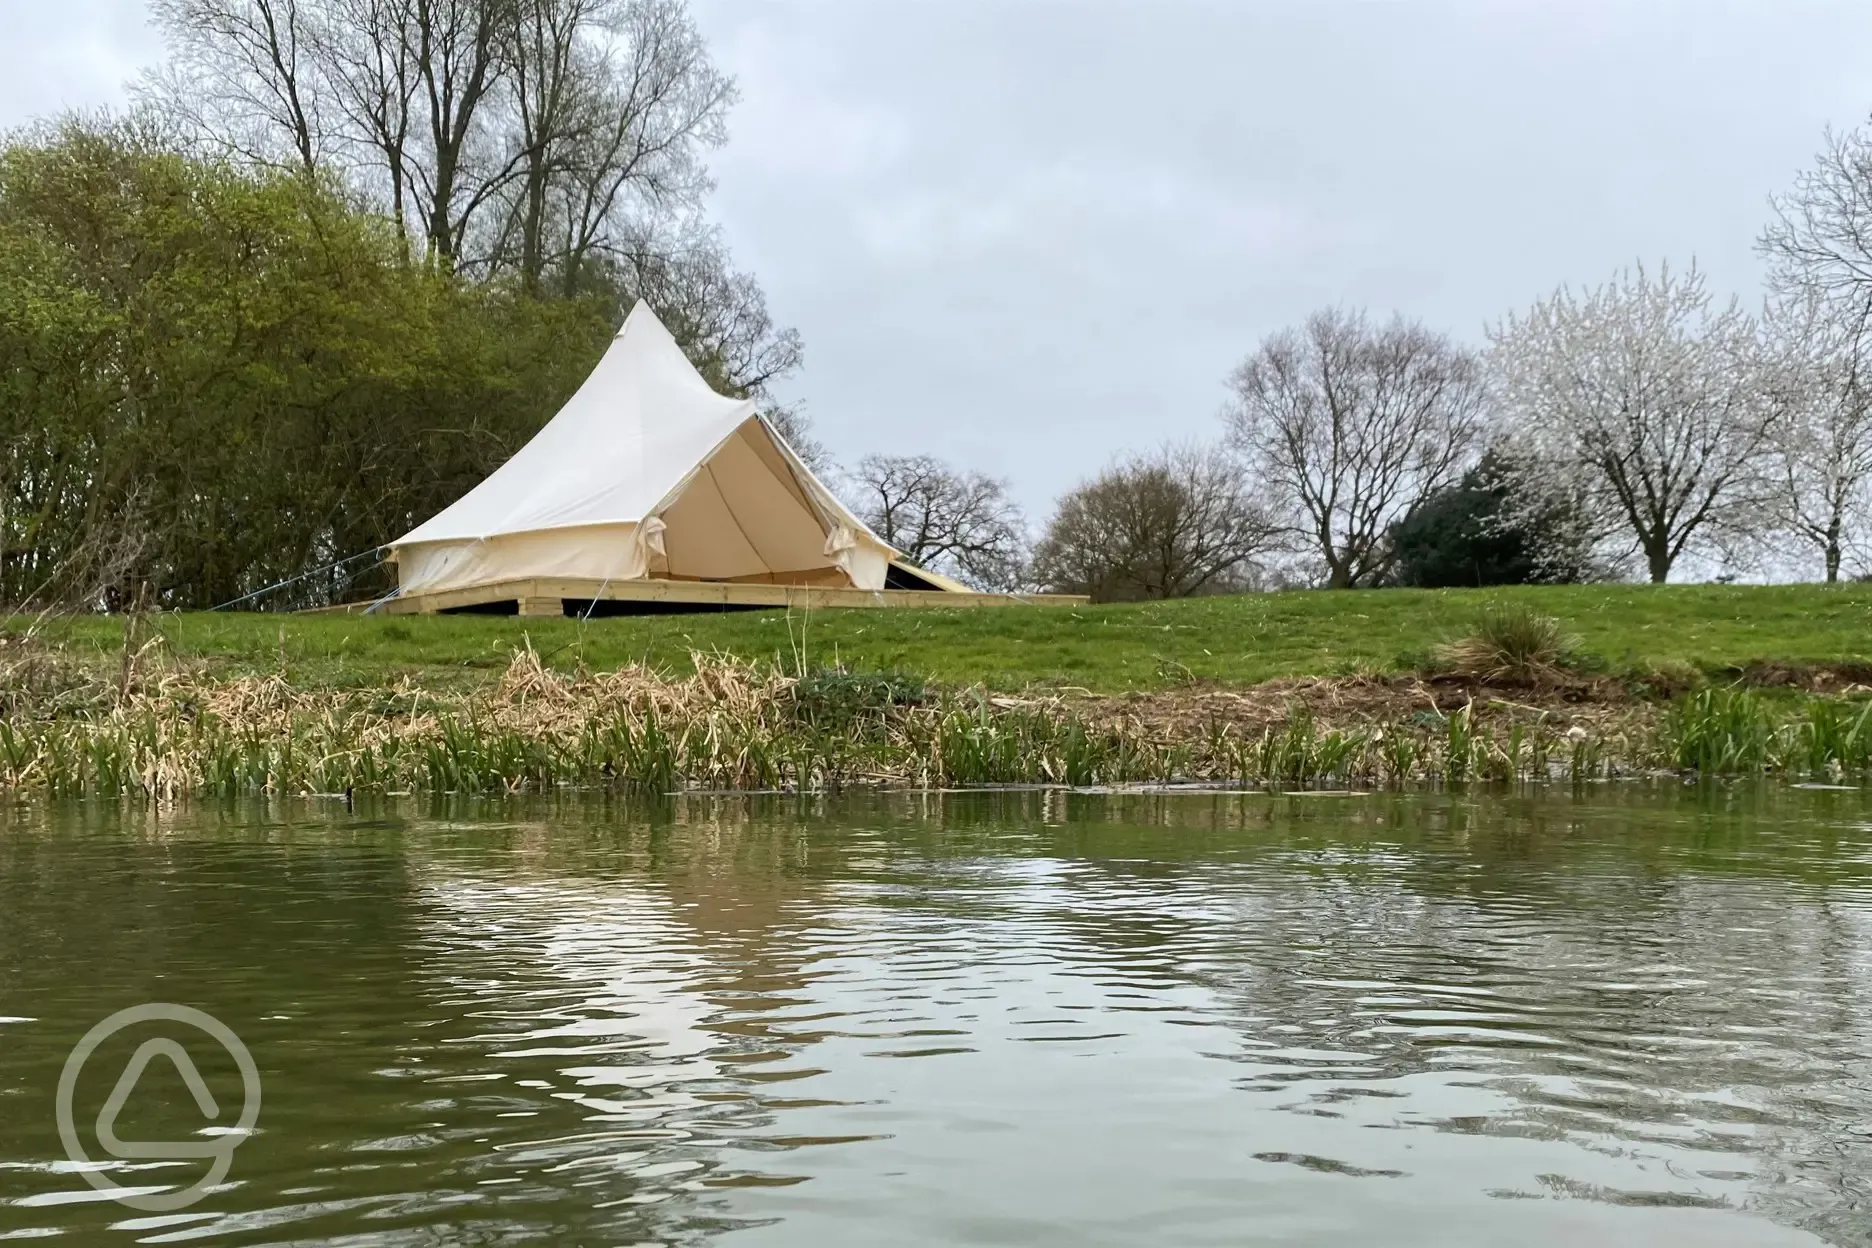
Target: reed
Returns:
[159, 731]
[1722, 731]
[1835, 738]
[1739, 732]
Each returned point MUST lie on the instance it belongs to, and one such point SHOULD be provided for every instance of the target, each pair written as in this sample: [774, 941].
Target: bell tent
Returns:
[647, 485]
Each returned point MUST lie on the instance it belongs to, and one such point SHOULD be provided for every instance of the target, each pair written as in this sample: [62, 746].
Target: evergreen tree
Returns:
[1467, 535]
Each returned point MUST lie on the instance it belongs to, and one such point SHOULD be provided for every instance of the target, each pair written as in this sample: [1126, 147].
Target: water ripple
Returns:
[841, 1032]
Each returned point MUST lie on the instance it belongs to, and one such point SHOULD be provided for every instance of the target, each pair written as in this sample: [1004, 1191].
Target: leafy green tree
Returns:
[214, 378]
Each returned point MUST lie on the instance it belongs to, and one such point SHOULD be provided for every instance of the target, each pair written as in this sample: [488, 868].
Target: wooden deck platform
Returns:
[543, 596]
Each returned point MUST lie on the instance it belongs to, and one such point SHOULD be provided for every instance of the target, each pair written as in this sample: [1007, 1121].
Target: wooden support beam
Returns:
[545, 596]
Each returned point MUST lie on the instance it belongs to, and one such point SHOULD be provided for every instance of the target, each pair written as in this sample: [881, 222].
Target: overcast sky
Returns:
[1029, 234]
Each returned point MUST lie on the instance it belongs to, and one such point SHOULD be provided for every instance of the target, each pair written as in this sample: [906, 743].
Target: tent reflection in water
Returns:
[649, 487]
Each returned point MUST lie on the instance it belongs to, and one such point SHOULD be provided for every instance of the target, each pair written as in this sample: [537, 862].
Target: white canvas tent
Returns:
[648, 474]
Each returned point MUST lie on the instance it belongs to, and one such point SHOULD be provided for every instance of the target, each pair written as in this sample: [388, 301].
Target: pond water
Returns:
[1623, 1016]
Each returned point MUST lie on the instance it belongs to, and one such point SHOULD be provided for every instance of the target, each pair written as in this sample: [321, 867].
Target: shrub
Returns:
[1478, 533]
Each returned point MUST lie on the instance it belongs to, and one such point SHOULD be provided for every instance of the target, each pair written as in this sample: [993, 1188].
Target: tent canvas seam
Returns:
[728, 507]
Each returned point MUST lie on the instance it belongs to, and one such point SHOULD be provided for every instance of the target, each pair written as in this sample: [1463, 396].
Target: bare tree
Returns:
[551, 81]
[530, 135]
[1821, 237]
[457, 50]
[630, 154]
[1647, 404]
[558, 140]
[405, 89]
[246, 70]
[722, 313]
[1351, 426]
[1171, 524]
[369, 63]
[960, 523]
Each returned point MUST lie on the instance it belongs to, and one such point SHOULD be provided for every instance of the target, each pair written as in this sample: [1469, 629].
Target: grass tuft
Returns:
[1512, 644]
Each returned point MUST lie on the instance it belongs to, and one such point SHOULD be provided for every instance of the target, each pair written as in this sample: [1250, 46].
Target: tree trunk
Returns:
[1833, 552]
[441, 225]
[396, 200]
[533, 230]
[1658, 559]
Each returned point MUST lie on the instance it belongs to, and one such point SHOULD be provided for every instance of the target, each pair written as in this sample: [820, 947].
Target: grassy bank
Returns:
[1287, 690]
[730, 725]
[1690, 630]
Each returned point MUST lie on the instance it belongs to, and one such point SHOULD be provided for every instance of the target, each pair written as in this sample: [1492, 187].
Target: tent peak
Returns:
[643, 315]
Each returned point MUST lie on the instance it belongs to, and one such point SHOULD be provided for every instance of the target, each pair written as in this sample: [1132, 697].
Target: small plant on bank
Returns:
[835, 700]
[1512, 644]
[1722, 732]
[1835, 738]
[1737, 732]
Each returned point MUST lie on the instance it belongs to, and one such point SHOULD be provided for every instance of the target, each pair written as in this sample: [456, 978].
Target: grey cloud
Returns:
[66, 54]
[1028, 234]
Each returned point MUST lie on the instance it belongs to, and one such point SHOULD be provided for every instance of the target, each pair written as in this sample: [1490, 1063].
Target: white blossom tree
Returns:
[1822, 445]
[1349, 426]
[1649, 405]
[1819, 252]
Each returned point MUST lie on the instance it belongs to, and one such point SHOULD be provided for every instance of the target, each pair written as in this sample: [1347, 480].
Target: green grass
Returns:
[1232, 641]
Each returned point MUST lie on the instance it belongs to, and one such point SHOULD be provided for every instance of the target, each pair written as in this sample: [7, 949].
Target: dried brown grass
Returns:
[158, 727]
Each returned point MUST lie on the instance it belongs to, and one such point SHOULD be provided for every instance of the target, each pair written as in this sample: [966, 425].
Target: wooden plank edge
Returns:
[532, 593]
